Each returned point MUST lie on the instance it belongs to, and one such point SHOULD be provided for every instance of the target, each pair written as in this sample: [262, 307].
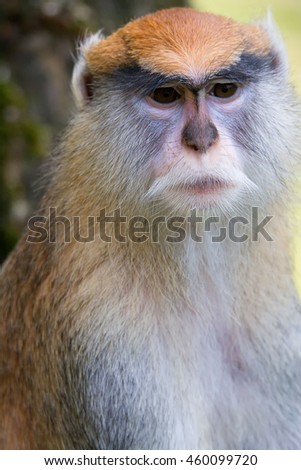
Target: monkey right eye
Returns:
[165, 95]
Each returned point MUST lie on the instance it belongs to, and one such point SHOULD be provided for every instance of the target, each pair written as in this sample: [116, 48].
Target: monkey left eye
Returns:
[165, 95]
[223, 90]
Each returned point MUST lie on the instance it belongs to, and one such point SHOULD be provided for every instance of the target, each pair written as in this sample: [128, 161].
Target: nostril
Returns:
[195, 144]
[194, 147]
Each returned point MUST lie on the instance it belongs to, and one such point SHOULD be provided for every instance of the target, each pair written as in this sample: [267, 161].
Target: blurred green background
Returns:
[37, 45]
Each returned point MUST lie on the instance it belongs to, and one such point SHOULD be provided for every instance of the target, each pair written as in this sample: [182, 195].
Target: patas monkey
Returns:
[152, 344]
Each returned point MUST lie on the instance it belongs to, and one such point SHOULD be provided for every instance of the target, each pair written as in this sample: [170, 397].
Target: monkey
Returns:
[162, 341]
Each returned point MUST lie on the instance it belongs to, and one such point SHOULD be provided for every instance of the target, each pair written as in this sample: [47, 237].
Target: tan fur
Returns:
[179, 41]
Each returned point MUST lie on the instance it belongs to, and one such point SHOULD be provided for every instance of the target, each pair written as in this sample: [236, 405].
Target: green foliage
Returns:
[21, 140]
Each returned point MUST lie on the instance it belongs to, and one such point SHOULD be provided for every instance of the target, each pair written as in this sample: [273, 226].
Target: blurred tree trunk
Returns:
[110, 15]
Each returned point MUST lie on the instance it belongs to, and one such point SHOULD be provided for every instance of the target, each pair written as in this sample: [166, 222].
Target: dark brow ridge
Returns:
[249, 68]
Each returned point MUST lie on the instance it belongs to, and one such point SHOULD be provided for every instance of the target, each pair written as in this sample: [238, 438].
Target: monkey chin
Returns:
[212, 195]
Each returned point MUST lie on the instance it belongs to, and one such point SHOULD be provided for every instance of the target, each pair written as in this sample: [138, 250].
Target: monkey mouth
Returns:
[206, 185]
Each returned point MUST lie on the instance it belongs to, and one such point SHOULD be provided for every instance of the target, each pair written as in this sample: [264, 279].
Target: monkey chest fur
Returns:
[177, 379]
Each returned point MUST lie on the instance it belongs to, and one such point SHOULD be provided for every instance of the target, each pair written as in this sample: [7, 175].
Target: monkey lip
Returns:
[207, 185]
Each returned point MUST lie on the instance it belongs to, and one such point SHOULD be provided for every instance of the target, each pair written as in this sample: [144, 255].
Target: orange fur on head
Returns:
[178, 40]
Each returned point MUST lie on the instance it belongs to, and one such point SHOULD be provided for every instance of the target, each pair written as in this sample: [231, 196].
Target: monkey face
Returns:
[199, 165]
[181, 117]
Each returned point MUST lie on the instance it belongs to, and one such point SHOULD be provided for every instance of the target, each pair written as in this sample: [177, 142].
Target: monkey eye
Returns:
[165, 95]
[223, 90]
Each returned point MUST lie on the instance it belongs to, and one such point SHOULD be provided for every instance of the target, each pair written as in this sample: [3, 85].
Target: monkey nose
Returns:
[199, 136]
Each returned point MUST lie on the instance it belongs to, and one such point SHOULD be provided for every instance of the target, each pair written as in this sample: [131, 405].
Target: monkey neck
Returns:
[226, 273]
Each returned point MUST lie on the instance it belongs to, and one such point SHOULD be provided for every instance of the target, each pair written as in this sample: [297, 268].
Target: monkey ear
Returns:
[81, 82]
[281, 57]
